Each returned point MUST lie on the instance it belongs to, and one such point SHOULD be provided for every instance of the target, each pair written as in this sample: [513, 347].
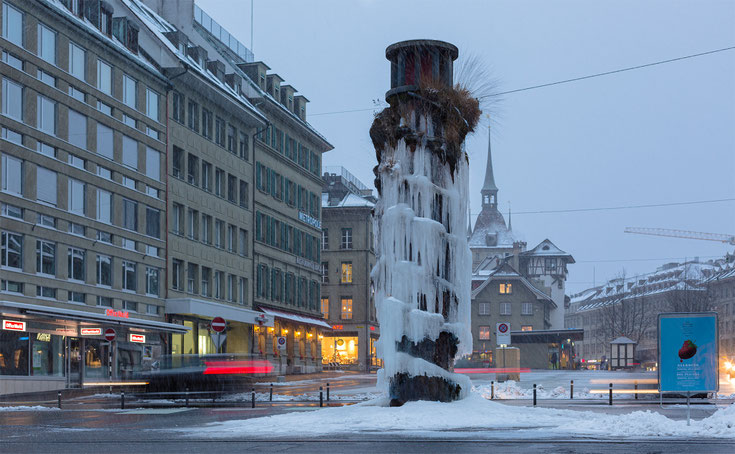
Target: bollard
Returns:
[252, 397]
[187, 397]
[58, 395]
[321, 397]
[327, 391]
[122, 400]
[534, 394]
[636, 389]
[492, 390]
[571, 390]
[610, 396]
[271, 396]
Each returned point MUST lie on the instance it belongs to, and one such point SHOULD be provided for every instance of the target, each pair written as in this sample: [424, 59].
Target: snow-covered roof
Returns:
[159, 26]
[349, 201]
[505, 271]
[490, 230]
[548, 249]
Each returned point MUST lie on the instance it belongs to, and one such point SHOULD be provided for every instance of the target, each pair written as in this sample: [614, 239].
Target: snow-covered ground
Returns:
[28, 408]
[475, 415]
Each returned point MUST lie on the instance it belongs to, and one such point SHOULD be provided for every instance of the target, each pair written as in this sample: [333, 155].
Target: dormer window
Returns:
[106, 22]
[505, 288]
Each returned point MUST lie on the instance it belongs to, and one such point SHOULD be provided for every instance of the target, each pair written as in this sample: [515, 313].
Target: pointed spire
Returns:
[489, 177]
[469, 222]
[510, 226]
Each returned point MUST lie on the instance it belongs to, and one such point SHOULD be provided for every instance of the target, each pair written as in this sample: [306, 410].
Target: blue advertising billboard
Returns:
[687, 352]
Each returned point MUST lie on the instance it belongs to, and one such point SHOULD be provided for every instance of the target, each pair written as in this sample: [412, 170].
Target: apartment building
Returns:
[83, 196]
[348, 257]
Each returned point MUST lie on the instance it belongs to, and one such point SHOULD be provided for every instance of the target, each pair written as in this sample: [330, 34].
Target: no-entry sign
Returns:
[218, 324]
[110, 334]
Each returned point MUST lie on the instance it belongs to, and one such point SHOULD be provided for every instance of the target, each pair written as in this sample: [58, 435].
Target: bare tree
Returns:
[625, 314]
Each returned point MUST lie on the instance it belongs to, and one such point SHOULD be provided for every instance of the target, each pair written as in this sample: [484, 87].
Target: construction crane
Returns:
[720, 237]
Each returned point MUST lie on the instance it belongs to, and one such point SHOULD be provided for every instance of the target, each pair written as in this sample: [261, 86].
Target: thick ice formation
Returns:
[422, 275]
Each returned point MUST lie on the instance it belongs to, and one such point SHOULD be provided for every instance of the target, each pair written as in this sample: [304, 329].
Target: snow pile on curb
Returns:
[28, 408]
[473, 413]
[510, 390]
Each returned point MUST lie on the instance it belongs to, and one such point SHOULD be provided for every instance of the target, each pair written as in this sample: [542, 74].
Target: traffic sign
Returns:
[218, 324]
[281, 343]
[110, 334]
[502, 332]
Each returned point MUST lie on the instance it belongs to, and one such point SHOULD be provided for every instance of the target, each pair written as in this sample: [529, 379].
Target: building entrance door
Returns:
[74, 362]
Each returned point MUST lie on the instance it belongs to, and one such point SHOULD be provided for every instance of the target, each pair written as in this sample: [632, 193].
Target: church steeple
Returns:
[489, 189]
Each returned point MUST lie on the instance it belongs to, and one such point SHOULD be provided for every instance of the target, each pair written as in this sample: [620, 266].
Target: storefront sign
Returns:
[137, 338]
[306, 219]
[308, 264]
[687, 352]
[12, 325]
[114, 313]
[90, 331]
[337, 327]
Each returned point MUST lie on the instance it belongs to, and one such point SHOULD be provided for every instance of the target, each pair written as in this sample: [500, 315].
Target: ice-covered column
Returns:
[422, 275]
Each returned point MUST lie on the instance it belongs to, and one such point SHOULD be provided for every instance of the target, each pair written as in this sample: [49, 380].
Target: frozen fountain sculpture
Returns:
[422, 275]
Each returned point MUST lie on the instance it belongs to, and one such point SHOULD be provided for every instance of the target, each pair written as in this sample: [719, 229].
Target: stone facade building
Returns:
[348, 257]
[83, 196]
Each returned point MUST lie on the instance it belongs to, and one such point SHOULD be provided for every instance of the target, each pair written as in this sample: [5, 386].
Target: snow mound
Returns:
[28, 408]
[476, 414]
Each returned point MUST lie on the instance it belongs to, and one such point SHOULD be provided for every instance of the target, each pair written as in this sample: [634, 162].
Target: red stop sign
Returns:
[110, 334]
[218, 324]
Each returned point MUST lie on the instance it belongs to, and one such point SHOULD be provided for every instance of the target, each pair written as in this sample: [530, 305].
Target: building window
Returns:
[178, 163]
[325, 272]
[243, 243]
[76, 197]
[527, 309]
[104, 141]
[231, 229]
[231, 139]
[129, 276]
[47, 44]
[77, 129]
[218, 290]
[46, 115]
[13, 24]
[346, 239]
[206, 278]
[346, 273]
[104, 77]
[76, 258]
[231, 188]
[178, 107]
[152, 164]
[504, 308]
[484, 333]
[12, 175]
[14, 212]
[151, 280]
[77, 229]
[12, 99]
[130, 215]
[46, 189]
[177, 219]
[153, 222]
[206, 176]
[192, 224]
[346, 308]
[176, 270]
[526, 328]
[206, 225]
[77, 61]
[104, 301]
[484, 308]
[325, 308]
[207, 123]
[130, 152]
[192, 169]
[325, 239]
[506, 288]
[244, 191]
[46, 257]
[243, 287]
[244, 146]
[151, 104]
[131, 306]
[45, 292]
[193, 114]
[130, 92]
[76, 297]
[219, 182]
[104, 270]
[219, 231]
[219, 131]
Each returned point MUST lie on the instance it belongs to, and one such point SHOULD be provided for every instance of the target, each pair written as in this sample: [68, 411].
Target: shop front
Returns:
[45, 348]
[293, 344]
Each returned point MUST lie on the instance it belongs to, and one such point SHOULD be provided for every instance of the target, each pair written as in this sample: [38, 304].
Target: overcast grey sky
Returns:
[664, 134]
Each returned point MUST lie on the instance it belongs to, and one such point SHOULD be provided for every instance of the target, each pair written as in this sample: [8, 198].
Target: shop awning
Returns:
[209, 310]
[296, 318]
[84, 316]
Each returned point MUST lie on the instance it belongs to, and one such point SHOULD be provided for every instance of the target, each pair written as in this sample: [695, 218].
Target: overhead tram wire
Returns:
[565, 81]
[625, 207]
